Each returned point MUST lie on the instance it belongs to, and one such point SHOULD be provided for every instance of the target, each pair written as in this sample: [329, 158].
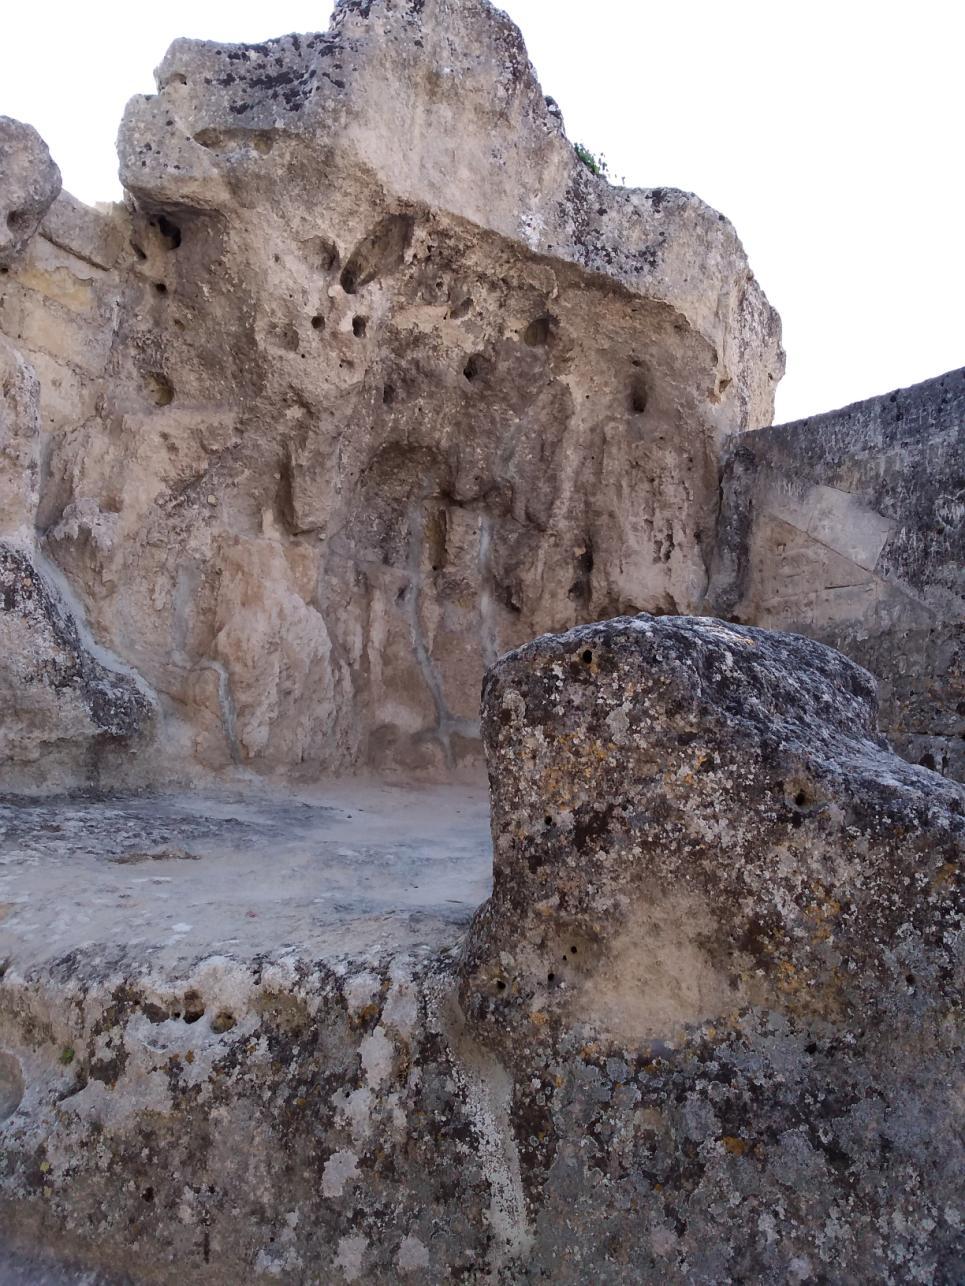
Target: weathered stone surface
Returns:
[66, 713]
[850, 527]
[29, 182]
[703, 1031]
[719, 960]
[368, 380]
[371, 380]
[66, 706]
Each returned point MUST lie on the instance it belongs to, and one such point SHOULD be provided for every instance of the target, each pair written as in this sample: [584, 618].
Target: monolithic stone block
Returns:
[719, 957]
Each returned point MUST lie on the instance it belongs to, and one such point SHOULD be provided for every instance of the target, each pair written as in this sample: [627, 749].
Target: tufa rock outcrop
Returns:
[850, 527]
[66, 707]
[704, 1030]
[29, 183]
[368, 381]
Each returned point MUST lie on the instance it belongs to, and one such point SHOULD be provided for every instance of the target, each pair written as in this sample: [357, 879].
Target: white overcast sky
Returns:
[832, 133]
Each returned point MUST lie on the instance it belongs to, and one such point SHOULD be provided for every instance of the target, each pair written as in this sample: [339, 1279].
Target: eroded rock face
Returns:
[66, 708]
[376, 381]
[703, 1031]
[65, 713]
[848, 527]
[29, 182]
[724, 910]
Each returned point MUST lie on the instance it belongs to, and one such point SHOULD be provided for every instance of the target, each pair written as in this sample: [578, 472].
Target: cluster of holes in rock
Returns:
[192, 1010]
[550, 977]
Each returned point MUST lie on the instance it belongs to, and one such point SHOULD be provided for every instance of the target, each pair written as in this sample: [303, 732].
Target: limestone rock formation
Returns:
[65, 706]
[370, 380]
[703, 1031]
[67, 711]
[719, 959]
[29, 182]
[849, 527]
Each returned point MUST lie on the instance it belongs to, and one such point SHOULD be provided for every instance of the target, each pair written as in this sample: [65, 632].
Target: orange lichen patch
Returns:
[737, 1147]
[539, 1018]
[944, 876]
[787, 976]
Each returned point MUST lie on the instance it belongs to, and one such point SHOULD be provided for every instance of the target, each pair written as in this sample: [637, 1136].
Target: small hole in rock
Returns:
[159, 388]
[160, 287]
[537, 333]
[471, 369]
[551, 977]
[638, 397]
[193, 1007]
[572, 951]
[547, 821]
[318, 322]
[800, 799]
[388, 395]
[359, 326]
[147, 1194]
[927, 761]
[797, 819]
[170, 232]
[910, 979]
[500, 985]
[587, 657]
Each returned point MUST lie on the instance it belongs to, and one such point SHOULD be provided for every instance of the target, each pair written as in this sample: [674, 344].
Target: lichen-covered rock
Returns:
[29, 183]
[376, 380]
[704, 1031]
[720, 959]
[64, 710]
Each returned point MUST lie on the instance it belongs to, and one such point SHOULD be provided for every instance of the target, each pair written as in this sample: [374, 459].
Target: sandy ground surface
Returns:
[169, 878]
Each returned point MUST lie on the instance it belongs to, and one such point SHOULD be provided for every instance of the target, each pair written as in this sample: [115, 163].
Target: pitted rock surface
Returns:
[703, 1031]
[29, 183]
[368, 381]
[720, 958]
[850, 528]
